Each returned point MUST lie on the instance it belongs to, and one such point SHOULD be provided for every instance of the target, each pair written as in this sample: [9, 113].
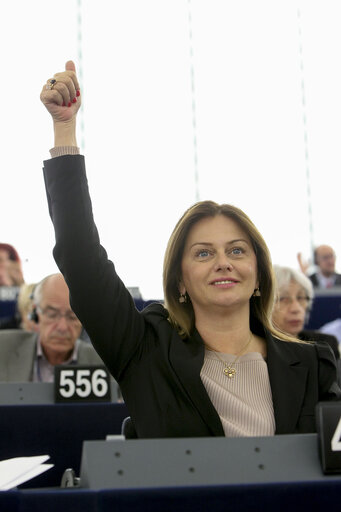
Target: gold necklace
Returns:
[229, 369]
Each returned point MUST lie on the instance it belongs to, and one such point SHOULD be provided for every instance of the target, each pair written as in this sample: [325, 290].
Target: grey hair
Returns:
[284, 275]
[39, 289]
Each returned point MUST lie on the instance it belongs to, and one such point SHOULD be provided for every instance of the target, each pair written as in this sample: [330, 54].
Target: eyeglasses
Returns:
[326, 257]
[303, 300]
[54, 315]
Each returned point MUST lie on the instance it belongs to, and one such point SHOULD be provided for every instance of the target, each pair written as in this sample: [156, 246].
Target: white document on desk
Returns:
[18, 470]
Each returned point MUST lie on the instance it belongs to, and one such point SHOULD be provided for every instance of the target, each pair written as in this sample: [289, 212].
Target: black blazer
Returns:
[158, 372]
[318, 336]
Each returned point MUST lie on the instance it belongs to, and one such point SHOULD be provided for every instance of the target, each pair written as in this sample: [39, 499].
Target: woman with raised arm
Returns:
[208, 362]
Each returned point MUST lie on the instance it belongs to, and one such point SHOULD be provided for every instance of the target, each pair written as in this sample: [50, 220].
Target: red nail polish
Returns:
[74, 100]
[63, 104]
[69, 104]
[78, 93]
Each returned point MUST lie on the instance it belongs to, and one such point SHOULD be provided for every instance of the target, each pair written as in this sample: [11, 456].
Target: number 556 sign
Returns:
[82, 384]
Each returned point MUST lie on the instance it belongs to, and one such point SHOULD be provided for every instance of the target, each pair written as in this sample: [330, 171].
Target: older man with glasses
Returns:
[325, 276]
[31, 357]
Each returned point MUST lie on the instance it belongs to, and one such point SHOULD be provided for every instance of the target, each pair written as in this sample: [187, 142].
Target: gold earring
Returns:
[183, 298]
[256, 293]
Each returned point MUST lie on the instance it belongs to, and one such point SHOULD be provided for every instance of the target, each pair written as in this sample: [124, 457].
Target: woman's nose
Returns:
[295, 305]
[223, 263]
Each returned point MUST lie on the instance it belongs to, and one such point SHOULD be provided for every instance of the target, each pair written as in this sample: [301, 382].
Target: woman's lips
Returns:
[224, 283]
[295, 323]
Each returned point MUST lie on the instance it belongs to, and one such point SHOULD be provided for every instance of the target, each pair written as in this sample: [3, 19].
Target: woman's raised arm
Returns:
[97, 295]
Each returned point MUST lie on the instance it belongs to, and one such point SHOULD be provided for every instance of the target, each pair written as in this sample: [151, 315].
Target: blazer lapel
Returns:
[288, 381]
[187, 358]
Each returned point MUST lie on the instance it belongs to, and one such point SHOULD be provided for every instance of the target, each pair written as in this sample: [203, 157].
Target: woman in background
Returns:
[25, 307]
[11, 277]
[10, 266]
[294, 298]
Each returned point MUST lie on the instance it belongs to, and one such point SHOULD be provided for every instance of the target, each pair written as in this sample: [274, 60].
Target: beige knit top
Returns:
[244, 402]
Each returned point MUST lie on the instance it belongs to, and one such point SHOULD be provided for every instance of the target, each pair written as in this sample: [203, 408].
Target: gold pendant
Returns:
[229, 372]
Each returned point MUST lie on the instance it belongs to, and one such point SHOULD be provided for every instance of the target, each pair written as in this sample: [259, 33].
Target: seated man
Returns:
[324, 259]
[31, 356]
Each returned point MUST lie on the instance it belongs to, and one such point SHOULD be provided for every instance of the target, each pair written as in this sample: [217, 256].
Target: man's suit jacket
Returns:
[157, 370]
[314, 279]
[18, 350]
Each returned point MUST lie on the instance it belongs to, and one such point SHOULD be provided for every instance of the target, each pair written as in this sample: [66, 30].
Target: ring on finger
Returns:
[51, 83]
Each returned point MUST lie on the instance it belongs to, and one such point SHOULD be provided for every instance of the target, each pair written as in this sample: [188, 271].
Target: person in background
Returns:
[208, 362]
[324, 259]
[11, 278]
[294, 298]
[10, 266]
[31, 356]
[25, 308]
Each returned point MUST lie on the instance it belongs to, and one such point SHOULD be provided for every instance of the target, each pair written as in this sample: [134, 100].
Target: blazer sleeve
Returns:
[329, 388]
[97, 295]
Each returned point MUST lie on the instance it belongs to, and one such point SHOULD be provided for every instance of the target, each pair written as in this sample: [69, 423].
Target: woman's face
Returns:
[5, 279]
[290, 309]
[4, 257]
[219, 266]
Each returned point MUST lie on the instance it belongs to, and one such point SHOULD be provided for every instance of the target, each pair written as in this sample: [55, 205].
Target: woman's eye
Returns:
[237, 251]
[203, 253]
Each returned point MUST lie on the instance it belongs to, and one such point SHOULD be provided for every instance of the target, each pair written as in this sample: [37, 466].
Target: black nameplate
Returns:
[82, 384]
[328, 418]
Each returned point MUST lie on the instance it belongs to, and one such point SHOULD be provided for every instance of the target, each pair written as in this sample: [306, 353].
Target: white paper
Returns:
[18, 470]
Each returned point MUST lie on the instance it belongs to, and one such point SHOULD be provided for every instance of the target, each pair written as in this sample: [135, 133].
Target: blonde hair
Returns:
[182, 315]
[25, 301]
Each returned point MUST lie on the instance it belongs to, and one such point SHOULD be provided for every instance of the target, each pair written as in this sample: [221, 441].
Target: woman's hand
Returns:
[62, 99]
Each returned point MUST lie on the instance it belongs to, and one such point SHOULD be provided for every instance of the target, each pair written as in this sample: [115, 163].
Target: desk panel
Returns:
[317, 496]
[57, 430]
